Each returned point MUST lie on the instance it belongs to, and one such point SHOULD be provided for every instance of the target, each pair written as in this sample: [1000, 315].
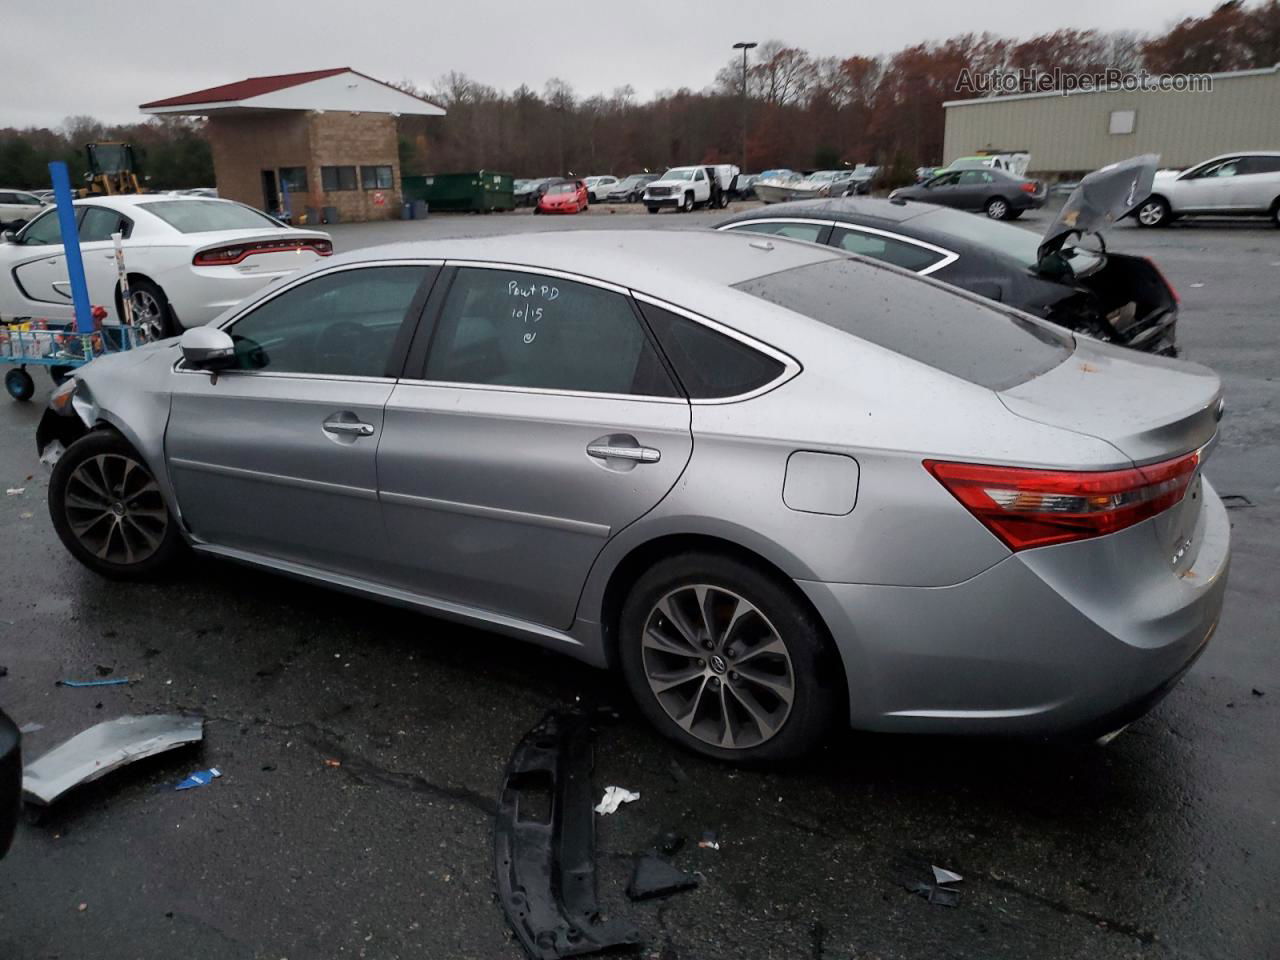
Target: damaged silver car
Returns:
[771, 483]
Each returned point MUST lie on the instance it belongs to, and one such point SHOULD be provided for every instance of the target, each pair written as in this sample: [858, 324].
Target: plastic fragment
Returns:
[16, 491]
[113, 682]
[614, 797]
[199, 779]
[30, 727]
[52, 453]
[942, 875]
[710, 841]
[654, 877]
[940, 896]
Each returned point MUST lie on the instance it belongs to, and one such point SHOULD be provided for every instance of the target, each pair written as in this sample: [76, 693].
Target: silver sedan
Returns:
[771, 483]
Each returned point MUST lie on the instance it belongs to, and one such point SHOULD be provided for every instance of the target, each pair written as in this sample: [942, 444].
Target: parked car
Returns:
[684, 188]
[10, 781]
[743, 187]
[188, 259]
[596, 186]
[1243, 184]
[563, 196]
[630, 189]
[1014, 164]
[200, 192]
[527, 191]
[44, 196]
[999, 195]
[17, 207]
[1109, 296]
[931, 513]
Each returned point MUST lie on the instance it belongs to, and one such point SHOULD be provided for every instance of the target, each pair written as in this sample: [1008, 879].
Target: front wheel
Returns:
[723, 659]
[1153, 212]
[651, 208]
[686, 205]
[1275, 212]
[107, 509]
[998, 208]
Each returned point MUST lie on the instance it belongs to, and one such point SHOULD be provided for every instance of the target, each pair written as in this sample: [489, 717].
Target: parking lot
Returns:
[362, 749]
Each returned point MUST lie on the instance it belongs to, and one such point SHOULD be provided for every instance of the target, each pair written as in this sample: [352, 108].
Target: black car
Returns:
[1109, 296]
[10, 781]
[527, 192]
[629, 189]
[1000, 195]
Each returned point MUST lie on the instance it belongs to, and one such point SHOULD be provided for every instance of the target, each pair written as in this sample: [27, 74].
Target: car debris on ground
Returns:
[654, 877]
[544, 844]
[112, 682]
[200, 778]
[105, 747]
[614, 797]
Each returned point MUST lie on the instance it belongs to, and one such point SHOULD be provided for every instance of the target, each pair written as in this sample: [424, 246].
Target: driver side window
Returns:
[44, 230]
[339, 324]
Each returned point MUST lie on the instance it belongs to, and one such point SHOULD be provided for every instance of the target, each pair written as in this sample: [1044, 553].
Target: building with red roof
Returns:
[320, 146]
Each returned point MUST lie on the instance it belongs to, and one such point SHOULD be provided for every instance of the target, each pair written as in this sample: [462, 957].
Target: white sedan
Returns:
[188, 259]
[598, 186]
[18, 206]
[1243, 184]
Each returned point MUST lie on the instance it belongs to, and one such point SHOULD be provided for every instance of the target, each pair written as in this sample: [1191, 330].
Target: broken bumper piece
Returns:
[544, 844]
[95, 752]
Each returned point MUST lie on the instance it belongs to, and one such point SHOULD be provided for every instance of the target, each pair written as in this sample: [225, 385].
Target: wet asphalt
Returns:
[362, 750]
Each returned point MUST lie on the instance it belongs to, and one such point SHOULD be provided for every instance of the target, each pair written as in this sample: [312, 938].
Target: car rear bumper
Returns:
[1074, 638]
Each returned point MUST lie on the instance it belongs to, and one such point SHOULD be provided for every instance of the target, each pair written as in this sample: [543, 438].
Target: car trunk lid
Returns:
[1151, 409]
[1101, 198]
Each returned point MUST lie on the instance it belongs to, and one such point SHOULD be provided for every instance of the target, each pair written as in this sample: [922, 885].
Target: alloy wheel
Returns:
[148, 315]
[115, 510]
[717, 666]
[1151, 213]
[997, 209]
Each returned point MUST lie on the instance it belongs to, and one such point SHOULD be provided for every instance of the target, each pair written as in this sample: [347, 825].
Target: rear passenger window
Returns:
[783, 228]
[1250, 165]
[898, 252]
[505, 328]
[710, 364]
[99, 223]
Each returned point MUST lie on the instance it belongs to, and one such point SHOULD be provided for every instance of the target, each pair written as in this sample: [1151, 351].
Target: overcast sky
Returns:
[119, 55]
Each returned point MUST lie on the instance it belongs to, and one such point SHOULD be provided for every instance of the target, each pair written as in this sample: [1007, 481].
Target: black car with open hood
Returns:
[1068, 276]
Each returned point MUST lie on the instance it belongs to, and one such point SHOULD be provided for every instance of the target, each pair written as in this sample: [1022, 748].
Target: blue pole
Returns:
[71, 246]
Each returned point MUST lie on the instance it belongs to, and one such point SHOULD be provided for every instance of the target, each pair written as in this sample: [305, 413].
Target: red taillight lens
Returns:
[1029, 188]
[1034, 508]
[235, 253]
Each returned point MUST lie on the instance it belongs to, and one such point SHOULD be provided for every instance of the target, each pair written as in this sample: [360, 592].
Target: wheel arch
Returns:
[643, 555]
[134, 276]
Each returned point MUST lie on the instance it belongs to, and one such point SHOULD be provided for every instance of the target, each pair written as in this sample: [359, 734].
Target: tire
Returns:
[686, 205]
[997, 208]
[651, 208]
[19, 385]
[108, 511]
[59, 375]
[806, 666]
[1152, 212]
[1014, 214]
[1275, 212]
[151, 309]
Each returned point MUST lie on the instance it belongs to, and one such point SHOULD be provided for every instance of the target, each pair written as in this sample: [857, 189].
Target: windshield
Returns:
[972, 340]
[1022, 245]
[824, 175]
[203, 216]
[562, 188]
[679, 173]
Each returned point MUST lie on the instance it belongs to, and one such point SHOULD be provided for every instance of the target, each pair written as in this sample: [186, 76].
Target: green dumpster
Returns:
[479, 191]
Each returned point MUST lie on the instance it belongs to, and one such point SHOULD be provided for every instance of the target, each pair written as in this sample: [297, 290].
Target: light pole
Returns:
[744, 47]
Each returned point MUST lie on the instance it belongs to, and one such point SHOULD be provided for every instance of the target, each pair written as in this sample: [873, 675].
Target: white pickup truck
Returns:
[687, 187]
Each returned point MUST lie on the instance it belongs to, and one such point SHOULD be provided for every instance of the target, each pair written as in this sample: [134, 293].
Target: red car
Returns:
[567, 196]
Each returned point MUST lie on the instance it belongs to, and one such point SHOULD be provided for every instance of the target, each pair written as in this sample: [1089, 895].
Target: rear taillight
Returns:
[1033, 508]
[237, 252]
[1030, 187]
[1165, 280]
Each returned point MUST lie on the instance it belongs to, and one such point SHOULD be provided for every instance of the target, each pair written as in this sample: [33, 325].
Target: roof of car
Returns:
[134, 199]
[891, 211]
[653, 261]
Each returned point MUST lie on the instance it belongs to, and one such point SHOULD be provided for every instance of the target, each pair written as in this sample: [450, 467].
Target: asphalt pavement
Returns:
[362, 750]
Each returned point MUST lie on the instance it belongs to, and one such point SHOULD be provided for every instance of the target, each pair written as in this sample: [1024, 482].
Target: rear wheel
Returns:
[107, 509]
[723, 659]
[151, 313]
[997, 208]
[1153, 212]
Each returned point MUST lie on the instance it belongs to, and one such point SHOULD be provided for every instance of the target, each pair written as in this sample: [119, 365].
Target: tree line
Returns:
[802, 111]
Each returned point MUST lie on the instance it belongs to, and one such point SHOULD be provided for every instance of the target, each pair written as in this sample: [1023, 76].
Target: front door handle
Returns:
[614, 451]
[348, 428]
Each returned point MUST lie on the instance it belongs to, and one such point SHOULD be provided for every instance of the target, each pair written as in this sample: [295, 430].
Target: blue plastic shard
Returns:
[199, 779]
[113, 682]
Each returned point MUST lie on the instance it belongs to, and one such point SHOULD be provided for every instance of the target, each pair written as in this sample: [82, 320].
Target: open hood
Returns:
[1103, 197]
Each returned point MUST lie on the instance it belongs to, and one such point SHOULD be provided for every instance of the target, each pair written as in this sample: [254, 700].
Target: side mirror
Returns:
[9, 236]
[208, 348]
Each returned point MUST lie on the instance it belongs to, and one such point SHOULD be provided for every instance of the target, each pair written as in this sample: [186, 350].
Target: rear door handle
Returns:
[613, 451]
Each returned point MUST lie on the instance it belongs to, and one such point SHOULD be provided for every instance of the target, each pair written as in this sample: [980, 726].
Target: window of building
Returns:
[294, 179]
[333, 179]
[512, 329]
[1122, 121]
[375, 178]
